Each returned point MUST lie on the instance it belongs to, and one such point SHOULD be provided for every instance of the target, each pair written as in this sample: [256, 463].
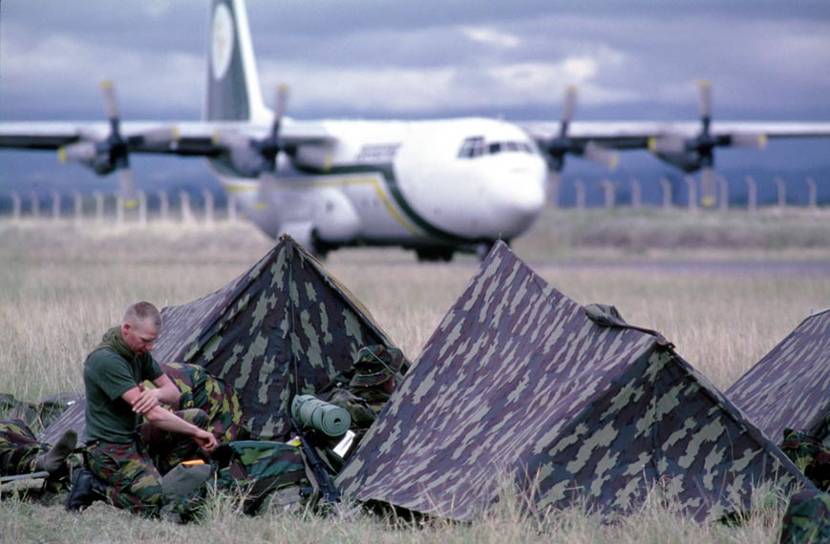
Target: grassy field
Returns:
[61, 287]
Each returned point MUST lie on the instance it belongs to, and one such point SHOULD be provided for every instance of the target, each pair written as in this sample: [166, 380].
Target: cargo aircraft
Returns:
[436, 186]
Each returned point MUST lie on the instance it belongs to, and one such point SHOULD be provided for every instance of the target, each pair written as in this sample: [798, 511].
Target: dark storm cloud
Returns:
[435, 57]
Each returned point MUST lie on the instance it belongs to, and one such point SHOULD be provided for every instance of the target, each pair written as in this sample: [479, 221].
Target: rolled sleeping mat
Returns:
[327, 418]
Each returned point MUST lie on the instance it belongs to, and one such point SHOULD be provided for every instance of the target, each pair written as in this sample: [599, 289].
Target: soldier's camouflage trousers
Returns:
[132, 472]
[807, 519]
[18, 448]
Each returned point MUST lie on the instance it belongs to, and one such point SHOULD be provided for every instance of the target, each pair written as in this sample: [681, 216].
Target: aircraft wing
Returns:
[190, 138]
[637, 134]
[200, 138]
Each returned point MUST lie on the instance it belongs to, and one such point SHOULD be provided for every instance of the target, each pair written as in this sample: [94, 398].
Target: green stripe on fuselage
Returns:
[387, 172]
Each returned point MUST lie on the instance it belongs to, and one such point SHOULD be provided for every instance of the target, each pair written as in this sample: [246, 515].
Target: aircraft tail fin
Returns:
[233, 91]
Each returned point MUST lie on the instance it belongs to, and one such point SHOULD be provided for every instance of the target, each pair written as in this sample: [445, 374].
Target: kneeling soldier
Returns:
[127, 457]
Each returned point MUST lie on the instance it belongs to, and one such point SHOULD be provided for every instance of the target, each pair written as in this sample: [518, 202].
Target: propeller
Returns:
[117, 146]
[112, 153]
[254, 156]
[559, 146]
[698, 152]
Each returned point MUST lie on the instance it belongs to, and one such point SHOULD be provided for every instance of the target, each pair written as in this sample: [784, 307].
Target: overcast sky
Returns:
[631, 60]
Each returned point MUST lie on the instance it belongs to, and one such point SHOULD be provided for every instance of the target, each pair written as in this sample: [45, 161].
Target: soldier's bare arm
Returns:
[165, 392]
[168, 421]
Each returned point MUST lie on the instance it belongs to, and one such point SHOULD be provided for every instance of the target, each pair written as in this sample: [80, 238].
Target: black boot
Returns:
[86, 489]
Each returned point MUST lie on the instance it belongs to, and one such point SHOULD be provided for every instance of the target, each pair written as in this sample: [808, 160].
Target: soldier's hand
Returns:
[147, 400]
[206, 441]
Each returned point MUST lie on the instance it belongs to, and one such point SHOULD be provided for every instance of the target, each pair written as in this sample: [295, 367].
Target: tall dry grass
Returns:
[61, 287]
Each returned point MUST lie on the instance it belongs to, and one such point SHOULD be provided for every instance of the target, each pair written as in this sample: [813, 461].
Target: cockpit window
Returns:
[476, 146]
[472, 147]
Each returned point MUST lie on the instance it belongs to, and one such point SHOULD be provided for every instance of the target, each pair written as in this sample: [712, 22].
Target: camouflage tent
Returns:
[520, 384]
[790, 385]
[285, 323]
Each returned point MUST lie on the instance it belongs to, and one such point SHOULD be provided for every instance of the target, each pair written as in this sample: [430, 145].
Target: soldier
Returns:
[201, 390]
[365, 390]
[21, 453]
[127, 458]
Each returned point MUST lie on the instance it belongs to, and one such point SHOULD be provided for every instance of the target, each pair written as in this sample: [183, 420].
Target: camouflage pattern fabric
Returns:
[11, 408]
[217, 399]
[37, 415]
[807, 520]
[284, 327]
[518, 385]
[51, 408]
[257, 468]
[132, 472]
[362, 413]
[790, 386]
[376, 365]
[810, 455]
[18, 448]
[365, 388]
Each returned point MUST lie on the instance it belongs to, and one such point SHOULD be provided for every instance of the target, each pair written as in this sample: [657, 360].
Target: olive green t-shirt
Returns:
[111, 370]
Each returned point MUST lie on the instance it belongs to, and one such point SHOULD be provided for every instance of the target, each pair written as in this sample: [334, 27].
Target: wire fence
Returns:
[102, 207]
[207, 207]
[686, 193]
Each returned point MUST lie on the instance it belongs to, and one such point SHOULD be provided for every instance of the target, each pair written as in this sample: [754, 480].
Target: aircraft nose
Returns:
[518, 197]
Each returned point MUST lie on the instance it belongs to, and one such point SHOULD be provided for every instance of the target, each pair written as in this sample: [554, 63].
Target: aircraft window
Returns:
[472, 147]
[494, 148]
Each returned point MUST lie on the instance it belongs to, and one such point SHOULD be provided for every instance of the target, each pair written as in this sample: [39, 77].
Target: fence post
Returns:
[207, 195]
[666, 186]
[78, 207]
[99, 206]
[751, 194]
[142, 208]
[692, 189]
[579, 185]
[17, 205]
[232, 214]
[782, 192]
[553, 189]
[636, 194]
[609, 194]
[164, 206]
[35, 205]
[723, 186]
[812, 198]
[119, 209]
[184, 204]
[56, 205]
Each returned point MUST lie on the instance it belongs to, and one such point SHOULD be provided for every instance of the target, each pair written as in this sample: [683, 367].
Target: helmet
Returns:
[375, 365]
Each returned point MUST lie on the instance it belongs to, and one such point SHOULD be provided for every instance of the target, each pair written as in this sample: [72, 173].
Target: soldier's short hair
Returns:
[142, 311]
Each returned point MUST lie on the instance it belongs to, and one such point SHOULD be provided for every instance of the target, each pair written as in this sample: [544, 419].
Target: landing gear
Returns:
[320, 248]
[434, 254]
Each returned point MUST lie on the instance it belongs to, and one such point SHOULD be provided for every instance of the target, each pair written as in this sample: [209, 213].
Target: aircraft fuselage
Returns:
[453, 183]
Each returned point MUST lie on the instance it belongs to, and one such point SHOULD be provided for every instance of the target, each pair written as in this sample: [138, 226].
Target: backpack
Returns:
[257, 468]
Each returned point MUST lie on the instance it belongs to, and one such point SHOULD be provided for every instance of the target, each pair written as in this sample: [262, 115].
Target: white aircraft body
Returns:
[435, 186]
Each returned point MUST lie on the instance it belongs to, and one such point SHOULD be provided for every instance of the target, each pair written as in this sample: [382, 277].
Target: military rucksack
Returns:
[257, 468]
